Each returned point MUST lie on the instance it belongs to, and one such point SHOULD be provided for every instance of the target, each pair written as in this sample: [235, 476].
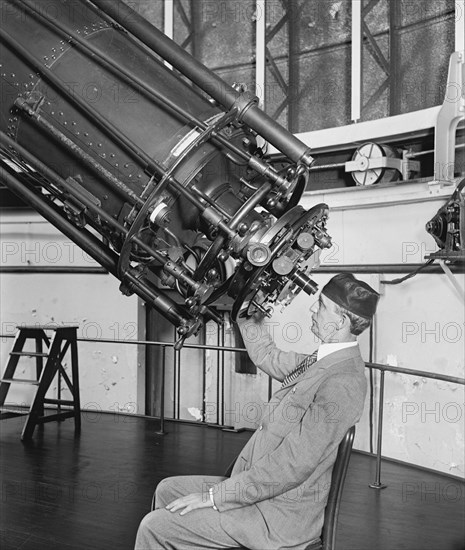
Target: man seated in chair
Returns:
[278, 489]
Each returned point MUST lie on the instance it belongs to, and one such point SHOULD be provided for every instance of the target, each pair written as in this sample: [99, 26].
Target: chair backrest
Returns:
[328, 535]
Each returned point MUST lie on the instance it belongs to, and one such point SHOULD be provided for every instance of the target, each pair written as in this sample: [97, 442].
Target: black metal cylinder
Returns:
[218, 89]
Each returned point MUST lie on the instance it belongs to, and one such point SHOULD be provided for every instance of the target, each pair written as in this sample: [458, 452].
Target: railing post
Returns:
[377, 483]
[161, 431]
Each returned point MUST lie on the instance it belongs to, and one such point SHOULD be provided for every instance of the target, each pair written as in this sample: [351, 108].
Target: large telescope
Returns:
[149, 161]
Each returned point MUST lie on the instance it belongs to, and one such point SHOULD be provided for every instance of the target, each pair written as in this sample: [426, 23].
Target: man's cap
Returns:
[352, 294]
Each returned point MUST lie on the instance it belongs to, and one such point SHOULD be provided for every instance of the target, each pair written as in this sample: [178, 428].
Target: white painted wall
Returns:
[109, 372]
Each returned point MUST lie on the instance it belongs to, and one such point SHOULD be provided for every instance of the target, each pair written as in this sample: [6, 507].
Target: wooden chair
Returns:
[341, 465]
[327, 539]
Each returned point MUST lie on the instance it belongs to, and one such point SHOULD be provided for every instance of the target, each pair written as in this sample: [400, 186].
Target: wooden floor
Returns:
[90, 492]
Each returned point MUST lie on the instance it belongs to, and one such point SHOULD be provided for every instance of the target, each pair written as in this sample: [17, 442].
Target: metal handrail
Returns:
[221, 348]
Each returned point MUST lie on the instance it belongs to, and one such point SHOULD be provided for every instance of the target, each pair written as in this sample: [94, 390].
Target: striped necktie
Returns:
[306, 363]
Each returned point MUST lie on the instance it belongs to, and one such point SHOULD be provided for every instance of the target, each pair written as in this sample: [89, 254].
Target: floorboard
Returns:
[62, 492]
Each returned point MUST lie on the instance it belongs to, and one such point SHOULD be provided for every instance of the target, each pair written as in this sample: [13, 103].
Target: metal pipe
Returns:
[59, 270]
[135, 152]
[218, 372]
[177, 354]
[377, 483]
[82, 238]
[204, 378]
[221, 329]
[175, 374]
[378, 366]
[133, 80]
[161, 431]
[170, 309]
[170, 267]
[89, 160]
[387, 269]
[93, 247]
[413, 372]
[207, 80]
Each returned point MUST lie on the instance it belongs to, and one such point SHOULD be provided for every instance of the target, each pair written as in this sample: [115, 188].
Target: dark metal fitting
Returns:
[283, 265]
[307, 158]
[212, 216]
[322, 239]
[258, 254]
[271, 203]
[302, 280]
[242, 229]
[244, 101]
[305, 241]
[34, 101]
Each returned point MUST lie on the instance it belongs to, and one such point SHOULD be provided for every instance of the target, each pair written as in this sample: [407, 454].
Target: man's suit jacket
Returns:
[278, 489]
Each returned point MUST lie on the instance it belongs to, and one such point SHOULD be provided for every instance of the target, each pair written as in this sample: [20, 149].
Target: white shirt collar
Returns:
[326, 349]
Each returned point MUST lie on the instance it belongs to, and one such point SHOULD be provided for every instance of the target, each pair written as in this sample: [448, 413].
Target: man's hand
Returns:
[190, 502]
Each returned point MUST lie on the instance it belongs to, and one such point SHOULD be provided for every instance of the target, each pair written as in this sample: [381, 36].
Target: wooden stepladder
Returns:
[64, 340]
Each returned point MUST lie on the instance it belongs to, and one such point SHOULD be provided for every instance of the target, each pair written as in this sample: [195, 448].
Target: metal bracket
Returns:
[452, 279]
[450, 114]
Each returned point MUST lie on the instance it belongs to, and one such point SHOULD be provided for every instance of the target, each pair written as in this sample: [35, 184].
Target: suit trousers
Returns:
[201, 528]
